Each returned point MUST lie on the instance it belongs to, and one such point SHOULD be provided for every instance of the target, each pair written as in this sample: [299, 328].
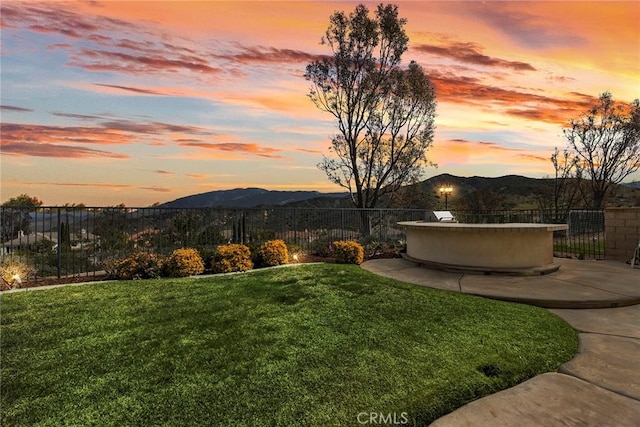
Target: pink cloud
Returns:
[104, 185]
[197, 175]
[102, 60]
[132, 89]
[28, 133]
[306, 150]
[262, 54]
[471, 53]
[37, 149]
[234, 147]
[57, 141]
[470, 90]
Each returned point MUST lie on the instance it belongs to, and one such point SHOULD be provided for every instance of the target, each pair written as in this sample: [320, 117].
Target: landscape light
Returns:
[445, 190]
[16, 278]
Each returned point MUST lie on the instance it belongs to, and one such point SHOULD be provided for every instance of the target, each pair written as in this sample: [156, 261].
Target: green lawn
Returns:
[308, 345]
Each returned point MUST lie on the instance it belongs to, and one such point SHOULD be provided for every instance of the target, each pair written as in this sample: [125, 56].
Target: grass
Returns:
[311, 345]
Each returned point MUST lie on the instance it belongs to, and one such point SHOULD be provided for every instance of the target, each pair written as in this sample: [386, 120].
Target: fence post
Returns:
[295, 225]
[244, 229]
[59, 246]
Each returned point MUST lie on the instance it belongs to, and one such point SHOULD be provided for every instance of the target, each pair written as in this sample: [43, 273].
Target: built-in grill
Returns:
[439, 216]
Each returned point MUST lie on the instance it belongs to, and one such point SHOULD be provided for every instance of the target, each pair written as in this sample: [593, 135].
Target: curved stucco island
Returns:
[515, 248]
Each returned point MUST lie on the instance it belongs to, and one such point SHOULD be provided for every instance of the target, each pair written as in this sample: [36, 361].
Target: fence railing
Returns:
[585, 238]
[59, 241]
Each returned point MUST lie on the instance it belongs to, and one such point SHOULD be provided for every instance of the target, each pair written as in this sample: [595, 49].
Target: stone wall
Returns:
[622, 231]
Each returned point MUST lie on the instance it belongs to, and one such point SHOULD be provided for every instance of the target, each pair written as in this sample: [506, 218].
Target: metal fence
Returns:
[59, 242]
[585, 238]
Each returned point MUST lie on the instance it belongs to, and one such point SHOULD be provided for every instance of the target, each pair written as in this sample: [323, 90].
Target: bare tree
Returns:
[606, 141]
[384, 114]
[566, 184]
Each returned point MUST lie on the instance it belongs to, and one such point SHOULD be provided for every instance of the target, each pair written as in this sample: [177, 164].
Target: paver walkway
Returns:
[600, 386]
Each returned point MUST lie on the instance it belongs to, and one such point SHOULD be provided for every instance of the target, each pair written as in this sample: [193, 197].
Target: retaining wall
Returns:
[622, 231]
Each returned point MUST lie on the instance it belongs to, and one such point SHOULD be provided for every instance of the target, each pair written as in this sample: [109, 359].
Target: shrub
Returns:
[375, 248]
[383, 249]
[273, 252]
[139, 265]
[321, 247]
[184, 262]
[206, 254]
[110, 266]
[294, 248]
[348, 252]
[229, 258]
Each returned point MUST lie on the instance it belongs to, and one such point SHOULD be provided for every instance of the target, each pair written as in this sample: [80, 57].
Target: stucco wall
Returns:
[622, 231]
[523, 249]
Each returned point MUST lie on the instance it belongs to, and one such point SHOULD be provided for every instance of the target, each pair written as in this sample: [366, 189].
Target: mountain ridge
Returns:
[523, 190]
[246, 198]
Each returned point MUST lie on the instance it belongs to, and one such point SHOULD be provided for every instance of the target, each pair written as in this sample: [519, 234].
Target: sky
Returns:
[138, 102]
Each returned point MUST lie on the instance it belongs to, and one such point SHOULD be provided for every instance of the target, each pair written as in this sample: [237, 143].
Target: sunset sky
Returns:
[109, 102]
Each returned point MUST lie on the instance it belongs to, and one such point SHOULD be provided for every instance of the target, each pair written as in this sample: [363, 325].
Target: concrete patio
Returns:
[600, 386]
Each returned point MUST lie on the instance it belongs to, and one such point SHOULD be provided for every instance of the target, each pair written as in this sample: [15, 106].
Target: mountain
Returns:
[515, 192]
[634, 184]
[517, 186]
[513, 186]
[510, 184]
[248, 198]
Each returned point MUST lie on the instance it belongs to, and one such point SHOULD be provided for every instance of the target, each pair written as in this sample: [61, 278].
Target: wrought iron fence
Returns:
[58, 241]
[585, 238]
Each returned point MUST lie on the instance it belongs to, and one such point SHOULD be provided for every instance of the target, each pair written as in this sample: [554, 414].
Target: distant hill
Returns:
[512, 186]
[508, 184]
[248, 198]
[518, 192]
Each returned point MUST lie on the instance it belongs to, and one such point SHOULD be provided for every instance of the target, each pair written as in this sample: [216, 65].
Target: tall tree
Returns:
[384, 113]
[606, 141]
[23, 201]
[15, 216]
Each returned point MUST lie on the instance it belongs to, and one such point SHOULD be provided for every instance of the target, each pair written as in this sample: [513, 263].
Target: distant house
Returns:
[143, 238]
[78, 241]
[84, 240]
[27, 241]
